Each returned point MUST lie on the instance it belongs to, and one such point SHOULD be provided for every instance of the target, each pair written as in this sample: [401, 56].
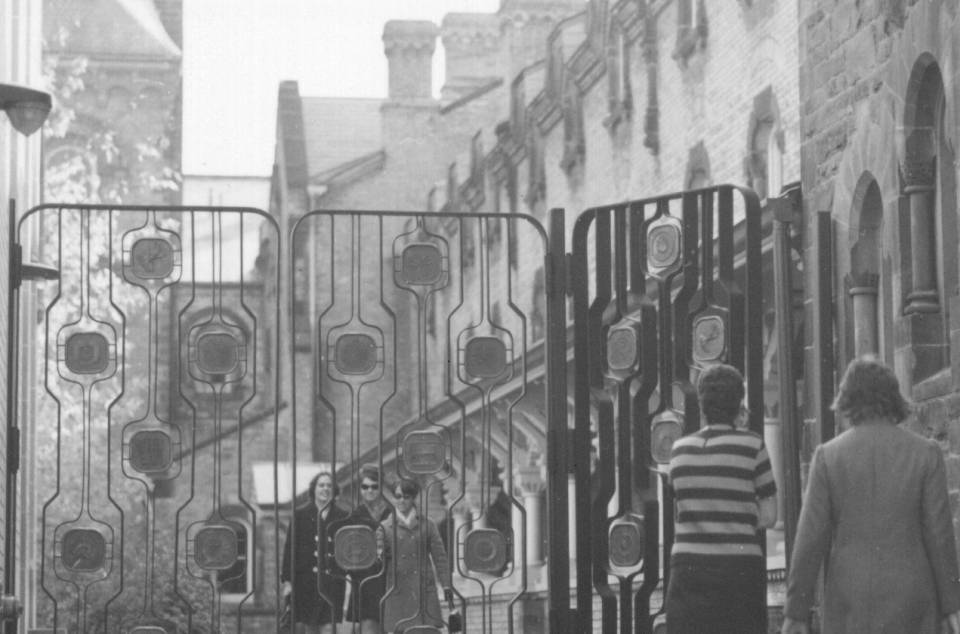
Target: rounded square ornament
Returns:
[215, 548]
[355, 547]
[83, 550]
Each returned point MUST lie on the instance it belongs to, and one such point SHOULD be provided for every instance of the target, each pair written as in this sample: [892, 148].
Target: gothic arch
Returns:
[927, 195]
[698, 168]
[763, 134]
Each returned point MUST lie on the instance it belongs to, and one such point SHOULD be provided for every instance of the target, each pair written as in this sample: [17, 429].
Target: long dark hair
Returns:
[312, 491]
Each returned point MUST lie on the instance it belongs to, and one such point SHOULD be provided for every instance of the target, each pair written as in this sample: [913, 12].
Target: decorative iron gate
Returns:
[143, 402]
[422, 341]
[431, 346]
[661, 288]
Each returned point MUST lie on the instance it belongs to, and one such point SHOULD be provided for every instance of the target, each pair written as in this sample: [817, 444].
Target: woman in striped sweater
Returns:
[724, 491]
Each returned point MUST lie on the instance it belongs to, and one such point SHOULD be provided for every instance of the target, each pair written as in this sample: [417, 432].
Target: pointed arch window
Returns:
[765, 146]
[930, 255]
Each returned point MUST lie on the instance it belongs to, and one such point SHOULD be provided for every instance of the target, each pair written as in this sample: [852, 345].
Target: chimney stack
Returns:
[471, 45]
[409, 46]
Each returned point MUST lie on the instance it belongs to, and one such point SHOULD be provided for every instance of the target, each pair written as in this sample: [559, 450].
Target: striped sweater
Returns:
[717, 475]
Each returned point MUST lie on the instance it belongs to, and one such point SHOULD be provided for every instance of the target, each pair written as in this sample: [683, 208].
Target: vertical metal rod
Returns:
[783, 298]
[558, 583]
[580, 449]
[13, 432]
[824, 328]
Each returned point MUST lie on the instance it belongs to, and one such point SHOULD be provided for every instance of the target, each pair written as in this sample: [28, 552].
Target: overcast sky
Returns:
[237, 51]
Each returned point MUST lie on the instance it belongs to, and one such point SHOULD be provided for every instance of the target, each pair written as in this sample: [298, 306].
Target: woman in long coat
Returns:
[367, 585]
[412, 549]
[315, 588]
[876, 514]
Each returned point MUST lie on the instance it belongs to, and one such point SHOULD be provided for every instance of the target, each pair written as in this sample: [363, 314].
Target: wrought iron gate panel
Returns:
[661, 287]
[420, 345]
[151, 403]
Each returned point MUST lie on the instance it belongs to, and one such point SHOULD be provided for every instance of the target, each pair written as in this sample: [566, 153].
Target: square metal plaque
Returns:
[215, 548]
[217, 353]
[83, 550]
[421, 264]
[150, 451]
[87, 353]
[355, 547]
[485, 550]
[485, 357]
[152, 258]
[355, 354]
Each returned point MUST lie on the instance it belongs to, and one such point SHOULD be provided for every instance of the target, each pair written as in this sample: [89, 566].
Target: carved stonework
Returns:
[862, 283]
[628, 14]
[586, 67]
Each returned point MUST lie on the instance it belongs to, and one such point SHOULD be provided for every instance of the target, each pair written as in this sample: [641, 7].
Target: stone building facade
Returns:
[878, 112]
[603, 102]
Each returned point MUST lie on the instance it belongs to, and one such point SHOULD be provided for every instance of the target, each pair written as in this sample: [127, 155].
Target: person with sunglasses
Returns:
[368, 584]
[415, 557]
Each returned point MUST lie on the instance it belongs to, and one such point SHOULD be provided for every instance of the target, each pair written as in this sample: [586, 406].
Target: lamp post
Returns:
[27, 109]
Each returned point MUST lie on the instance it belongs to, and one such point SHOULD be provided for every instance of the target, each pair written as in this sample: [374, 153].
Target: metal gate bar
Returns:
[146, 361]
[657, 295]
[430, 318]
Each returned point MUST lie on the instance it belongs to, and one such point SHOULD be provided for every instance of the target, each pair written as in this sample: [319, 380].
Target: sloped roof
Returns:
[109, 28]
[338, 131]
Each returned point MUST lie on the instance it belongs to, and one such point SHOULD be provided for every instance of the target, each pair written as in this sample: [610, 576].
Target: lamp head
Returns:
[27, 107]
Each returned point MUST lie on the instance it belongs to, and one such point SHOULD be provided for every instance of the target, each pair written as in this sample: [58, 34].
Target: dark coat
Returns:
[369, 584]
[314, 573]
[411, 554]
[876, 513]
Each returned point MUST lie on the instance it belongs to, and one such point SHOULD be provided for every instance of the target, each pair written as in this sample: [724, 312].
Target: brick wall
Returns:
[857, 94]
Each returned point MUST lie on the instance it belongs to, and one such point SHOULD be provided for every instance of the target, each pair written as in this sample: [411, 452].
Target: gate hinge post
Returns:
[555, 272]
[10, 607]
[20, 271]
[16, 262]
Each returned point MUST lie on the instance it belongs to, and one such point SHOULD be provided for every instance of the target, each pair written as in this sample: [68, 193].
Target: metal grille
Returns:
[145, 407]
[426, 336]
[662, 287]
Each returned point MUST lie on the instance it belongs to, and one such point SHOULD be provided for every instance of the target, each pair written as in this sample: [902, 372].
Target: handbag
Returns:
[454, 621]
[286, 617]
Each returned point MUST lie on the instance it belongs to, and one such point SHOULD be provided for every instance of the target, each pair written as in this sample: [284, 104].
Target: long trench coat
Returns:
[317, 594]
[411, 553]
[876, 513]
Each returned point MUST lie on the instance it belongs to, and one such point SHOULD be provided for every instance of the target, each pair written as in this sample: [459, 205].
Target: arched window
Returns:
[698, 168]
[863, 282]
[764, 162]
[930, 255]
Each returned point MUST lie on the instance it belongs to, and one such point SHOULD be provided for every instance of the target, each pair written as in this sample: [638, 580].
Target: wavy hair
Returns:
[870, 390]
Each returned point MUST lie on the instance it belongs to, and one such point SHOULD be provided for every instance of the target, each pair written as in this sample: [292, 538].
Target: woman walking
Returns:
[413, 550]
[877, 517]
[315, 592]
[724, 491]
[367, 585]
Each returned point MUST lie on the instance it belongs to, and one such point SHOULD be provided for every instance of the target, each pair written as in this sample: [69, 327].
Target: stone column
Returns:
[920, 178]
[531, 484]
[478, 515]
[863, 291]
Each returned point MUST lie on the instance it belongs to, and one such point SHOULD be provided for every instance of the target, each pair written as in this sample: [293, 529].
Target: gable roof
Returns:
[110, 28]
[339, 131]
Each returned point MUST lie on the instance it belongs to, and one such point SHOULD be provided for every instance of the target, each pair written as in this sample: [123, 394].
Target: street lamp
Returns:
[27, 108]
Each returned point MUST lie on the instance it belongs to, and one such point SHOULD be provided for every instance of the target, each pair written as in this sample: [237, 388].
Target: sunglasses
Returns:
[406, 497]
[369, 487]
